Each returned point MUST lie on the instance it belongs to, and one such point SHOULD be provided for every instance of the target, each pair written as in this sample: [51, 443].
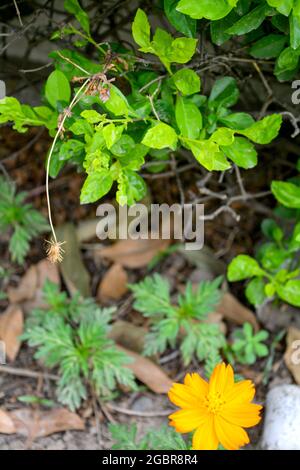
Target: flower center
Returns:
[214, 402]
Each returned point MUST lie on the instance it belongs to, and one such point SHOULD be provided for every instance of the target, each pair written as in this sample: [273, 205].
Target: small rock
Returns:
[143, 404]
[282, 421]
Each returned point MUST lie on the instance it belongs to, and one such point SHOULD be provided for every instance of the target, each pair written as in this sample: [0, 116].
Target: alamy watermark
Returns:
[2, 352]
[2, 89]
[159, 221]
[296, 93]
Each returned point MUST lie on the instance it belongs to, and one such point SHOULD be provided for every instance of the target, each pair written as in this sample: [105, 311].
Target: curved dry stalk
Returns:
[55, 251]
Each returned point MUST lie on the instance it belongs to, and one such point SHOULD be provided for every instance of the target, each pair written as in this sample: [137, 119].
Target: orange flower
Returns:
[217, 411]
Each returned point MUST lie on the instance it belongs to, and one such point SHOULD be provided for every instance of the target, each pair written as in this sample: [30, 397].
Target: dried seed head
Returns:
[55, 251]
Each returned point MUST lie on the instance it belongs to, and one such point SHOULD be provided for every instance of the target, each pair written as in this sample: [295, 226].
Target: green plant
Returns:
[109, 134]
[248, 346]
[19, 219]
[185, 321]
[72, 334]
[275, 271]
[270, 29]
[165, 438]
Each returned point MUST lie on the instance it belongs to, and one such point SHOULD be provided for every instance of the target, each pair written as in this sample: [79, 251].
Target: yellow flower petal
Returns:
[222, 379]
[242, 415]
[183, 396]
[205, 437]
[199, 385]
[232, 437]
[187, 420]
[241, 392]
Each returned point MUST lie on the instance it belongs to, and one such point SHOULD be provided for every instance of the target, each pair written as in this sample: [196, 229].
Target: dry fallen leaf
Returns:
[11, 327]
[74, 272]
[292, 353]
[6, 423]
[128, 335]
[36, 423]
[148, 372]
[114, 284]
[233, 310]
[30, 287]
[133, 253]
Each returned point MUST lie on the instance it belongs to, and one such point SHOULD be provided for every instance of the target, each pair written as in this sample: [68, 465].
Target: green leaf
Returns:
[131, 188]
[209, 155]
[141, 30]
[206, 8]
[251, 21]
[287, 61]
[294, 21]
[243, 267]
[182, 50]
[223, 136]
[69, 62]
[271, 230]
[255, 291]
[123, 146]
[286, 193]
[290, 292]
[188, 118]
[283, 6]
[187, 81]
[112, 134]
[224, 92]
[95, 186]
[160, 136]
[265, 130]
[218, 28]
[182, 23]
[72, 6]
[241, 152]
[71, 149]
[92, 116]
[57, 88]
[237, 121]
[117, 103]
[268, 47]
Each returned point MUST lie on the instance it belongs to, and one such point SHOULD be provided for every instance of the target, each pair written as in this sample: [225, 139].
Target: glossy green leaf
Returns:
[243, 267]
[208, 154]
[224, 92]
[57, 88]
[211, 10]
[290, 292]
[187, 81]
[96, 185]
[241, 152]
[237, 120]
[286, 193]
[255, 291]
[268, 47]
[182, 23]
[265, 130]
[283, 6]
[141, 30]
[131, 188]
[117, 103]
[160, 136]
[223, 136]
[188, 118]
[251, 21]
[112, 134]
[72, 6]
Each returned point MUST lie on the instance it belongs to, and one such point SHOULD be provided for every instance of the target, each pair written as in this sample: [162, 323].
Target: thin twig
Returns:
[142, 414]
[18, 13]
[27, 373]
